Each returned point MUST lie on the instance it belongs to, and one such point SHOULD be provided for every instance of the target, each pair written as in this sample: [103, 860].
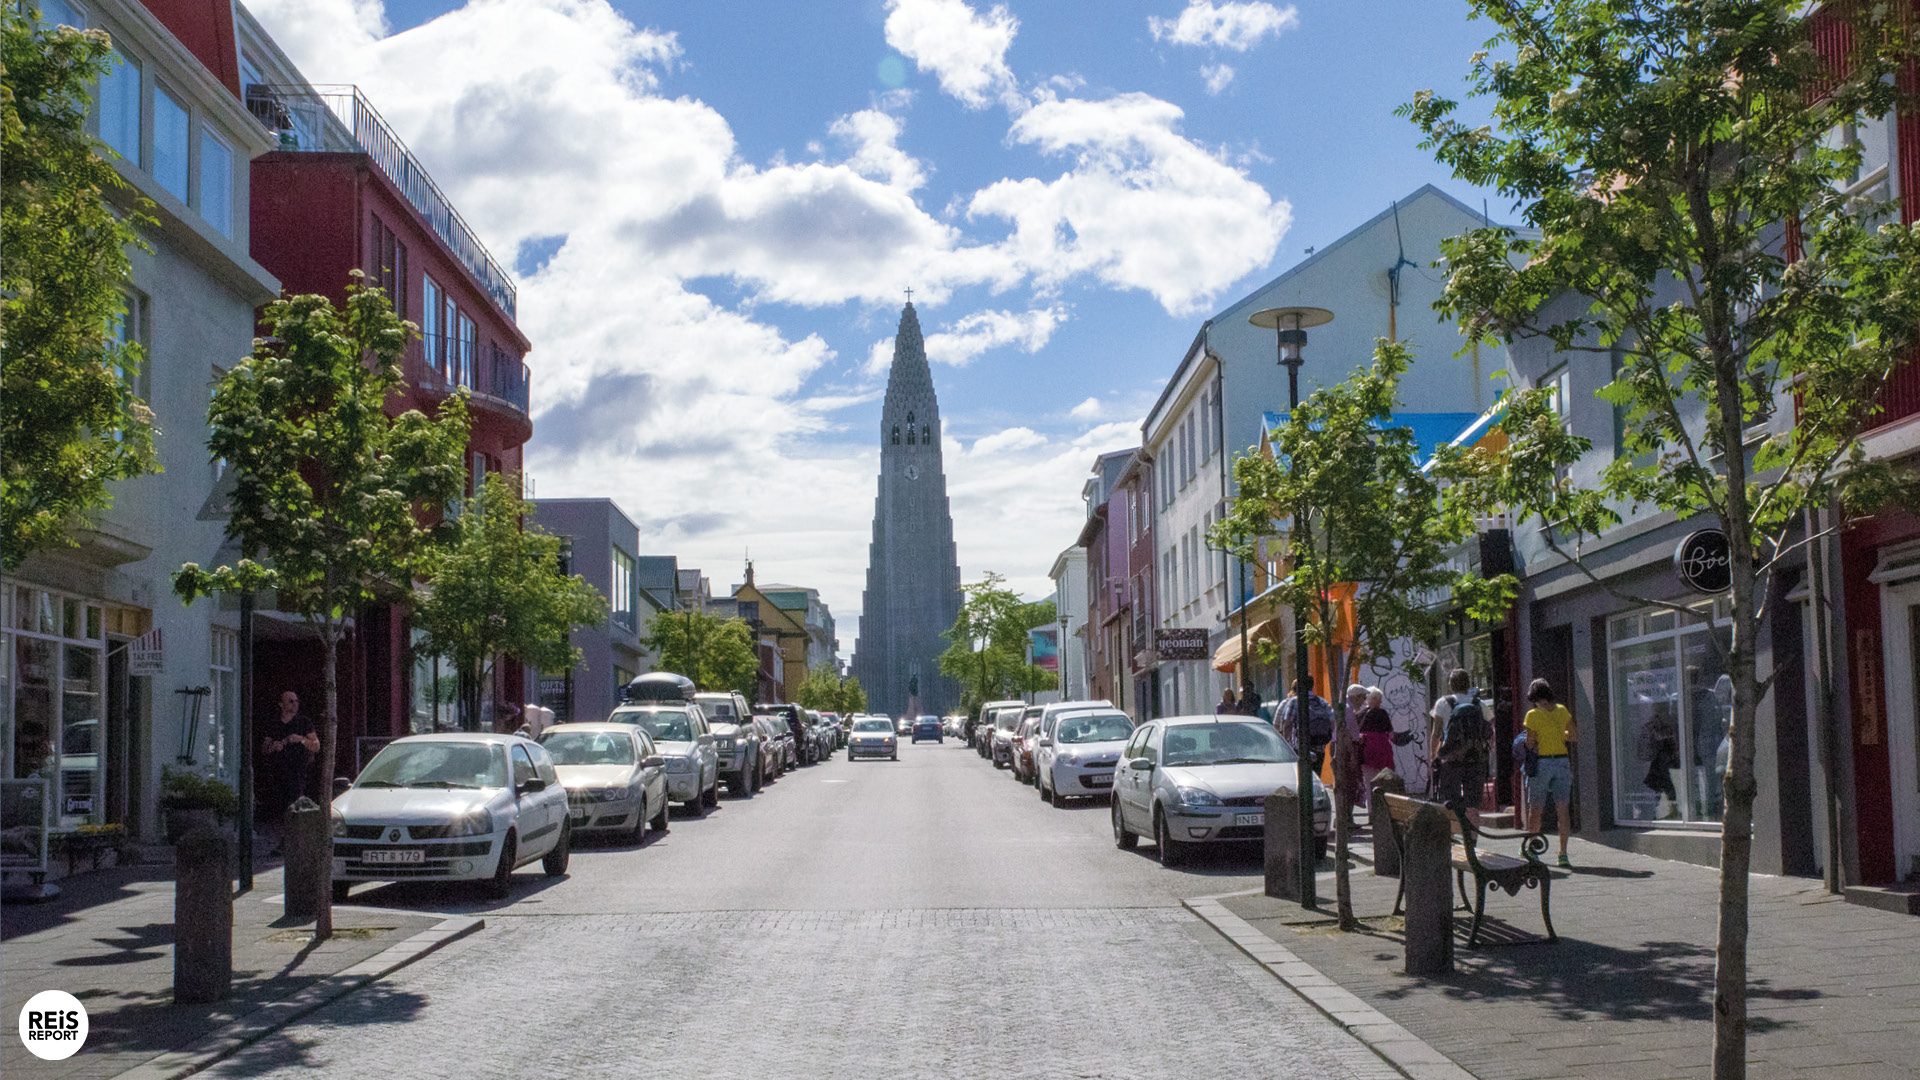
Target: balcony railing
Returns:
[333, 119]
[440, 364]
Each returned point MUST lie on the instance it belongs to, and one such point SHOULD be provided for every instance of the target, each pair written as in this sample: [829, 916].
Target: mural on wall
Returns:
[1406, 701]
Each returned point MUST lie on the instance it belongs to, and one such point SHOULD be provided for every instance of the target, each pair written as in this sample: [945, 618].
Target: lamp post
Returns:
[1290, 325]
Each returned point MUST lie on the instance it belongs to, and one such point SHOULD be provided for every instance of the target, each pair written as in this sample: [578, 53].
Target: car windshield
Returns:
[589, 748]
[1007, 719]
[719, 707]
[436, 765]
[929, 719]
[665, 725]
[1227, 743]
[872, 725]
[1093, 727]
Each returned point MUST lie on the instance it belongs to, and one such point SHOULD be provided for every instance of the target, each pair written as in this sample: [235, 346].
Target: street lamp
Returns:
[1290, 325]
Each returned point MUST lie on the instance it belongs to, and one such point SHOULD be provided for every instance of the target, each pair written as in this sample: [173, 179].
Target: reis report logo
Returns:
[53, 1025]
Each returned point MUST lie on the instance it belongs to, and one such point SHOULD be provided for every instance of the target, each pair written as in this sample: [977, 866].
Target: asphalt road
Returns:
[926, 917]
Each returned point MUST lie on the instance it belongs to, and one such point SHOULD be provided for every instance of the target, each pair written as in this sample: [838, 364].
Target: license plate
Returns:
[1250, 819]
[412, 855]
[1100, 781]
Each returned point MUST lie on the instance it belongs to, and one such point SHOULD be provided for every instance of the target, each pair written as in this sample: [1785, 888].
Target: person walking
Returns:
[1311, 743]
[1226, 704]
[1249, 701]
[1376, 738]
[1550, 735]
[1458, 739]
[1352, 715]
[289, 744]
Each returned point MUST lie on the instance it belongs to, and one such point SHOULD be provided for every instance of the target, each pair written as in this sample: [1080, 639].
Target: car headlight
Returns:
[477, 823]
[339, 825]
[1187, 796]
[608, 794]
[1069, 760]
[679, 764]
[724, 744]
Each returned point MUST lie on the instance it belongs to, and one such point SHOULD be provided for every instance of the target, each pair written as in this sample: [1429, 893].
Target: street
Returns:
[924, 917]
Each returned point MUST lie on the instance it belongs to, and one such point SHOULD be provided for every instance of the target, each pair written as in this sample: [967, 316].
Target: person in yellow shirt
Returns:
[1549, 728]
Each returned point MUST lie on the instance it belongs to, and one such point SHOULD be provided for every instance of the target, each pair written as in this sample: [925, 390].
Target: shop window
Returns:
[224, 683]
[54, 680]
[1671, 703]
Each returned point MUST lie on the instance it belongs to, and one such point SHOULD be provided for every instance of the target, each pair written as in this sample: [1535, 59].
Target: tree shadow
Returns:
[139, 943]
[78, 894]
[149, 1022]
[1608, 872]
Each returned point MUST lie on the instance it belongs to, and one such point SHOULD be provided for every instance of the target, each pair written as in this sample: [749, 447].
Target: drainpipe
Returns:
[1829, 719]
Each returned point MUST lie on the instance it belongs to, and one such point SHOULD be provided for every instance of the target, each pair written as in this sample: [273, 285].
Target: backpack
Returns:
[1319, 722]
[1468, 735]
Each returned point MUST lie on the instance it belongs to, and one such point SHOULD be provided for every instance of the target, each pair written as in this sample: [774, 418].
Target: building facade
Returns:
[823, 646]
[913, 572]
[599, 541]
[105, 677]
[1184, 436]
[1116, 605]
[1069, 574]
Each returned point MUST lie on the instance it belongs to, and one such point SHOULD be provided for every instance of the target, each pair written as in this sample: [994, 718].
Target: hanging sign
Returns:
[145, 657]
[1181, 643]
[1704, 562]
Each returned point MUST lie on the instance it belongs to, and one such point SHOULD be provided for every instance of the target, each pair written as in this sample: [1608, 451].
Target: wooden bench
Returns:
[1500, 871]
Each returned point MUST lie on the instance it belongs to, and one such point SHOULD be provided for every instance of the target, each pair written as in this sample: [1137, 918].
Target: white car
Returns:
[451, 807]
[679, 733]
[615, 782]
[1192, 780]
[873, 736]
[1079, 751]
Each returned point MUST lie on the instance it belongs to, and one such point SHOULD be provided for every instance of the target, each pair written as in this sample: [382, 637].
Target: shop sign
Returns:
[1180, 643]
[1704, 562]
[145, 656]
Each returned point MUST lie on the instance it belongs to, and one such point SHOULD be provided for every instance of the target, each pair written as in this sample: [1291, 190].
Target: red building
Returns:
[1119, 543]
[343, 193]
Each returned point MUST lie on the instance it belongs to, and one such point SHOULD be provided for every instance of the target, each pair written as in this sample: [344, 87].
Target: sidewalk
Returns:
[108, 940]
[1627, 991]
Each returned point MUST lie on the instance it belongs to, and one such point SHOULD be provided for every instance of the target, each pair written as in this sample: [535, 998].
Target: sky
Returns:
[713, 210]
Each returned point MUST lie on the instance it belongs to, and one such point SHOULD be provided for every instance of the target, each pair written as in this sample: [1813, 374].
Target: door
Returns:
[1126, 779]
[1900, 618]
[537, 829]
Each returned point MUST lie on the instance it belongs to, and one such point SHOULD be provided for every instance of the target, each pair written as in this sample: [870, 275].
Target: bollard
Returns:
[307, 838]
[1426, 876]
[1386, 854]
[1282, 846]
[202, 918]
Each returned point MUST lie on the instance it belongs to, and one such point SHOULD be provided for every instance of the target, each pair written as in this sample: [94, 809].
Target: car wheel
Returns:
[896, 755]
[1172, 852]
[340, 891]
[697, 804]
[660, 822]
[639, 830]
[555, 862]
[738, 786]
[500, 886]
[1122, 837]
[713, 793]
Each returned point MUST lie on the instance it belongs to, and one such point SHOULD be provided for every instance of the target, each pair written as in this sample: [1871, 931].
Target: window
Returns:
[911, 441]
[1206, 425]
[120, 107]
[622, 588]
[1671, 701]
[172, 125]
[390, 268]
[523, 769]
[1559, 386]
[431, 336]
[896, 434]
[130, 328]
[57, 13]
[216, 182]
[468, 345]
[926, 434]
[51, 671]
[224, 681]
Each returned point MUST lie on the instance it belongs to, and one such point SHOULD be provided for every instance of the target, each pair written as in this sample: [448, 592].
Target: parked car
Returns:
[804, 748]
[1000, 749]
[928, 727]
[613, 779]
[667, 711]
[836, 729]
[451, 807]
[903, 726]
[1079, 750]
[1191, 780]
[822, 732]
[736, 741]
[779, 744]
[873, 736]
[980, 735]
[1020, 743]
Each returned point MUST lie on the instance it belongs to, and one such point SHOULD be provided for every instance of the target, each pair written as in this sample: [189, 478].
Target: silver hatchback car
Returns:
[1191, 780]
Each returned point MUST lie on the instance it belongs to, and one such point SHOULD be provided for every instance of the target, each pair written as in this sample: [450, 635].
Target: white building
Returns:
[1069, 576]
[79, 705]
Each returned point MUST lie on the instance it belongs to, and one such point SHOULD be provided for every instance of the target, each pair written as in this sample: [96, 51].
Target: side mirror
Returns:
[653, 762]
[705, 740]
[1141, 764]
[531, 785]
[1046, 740]
[340, 786]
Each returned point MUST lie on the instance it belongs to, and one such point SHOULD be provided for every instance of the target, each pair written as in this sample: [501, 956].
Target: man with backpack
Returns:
[1461, 738]
[1319, 726]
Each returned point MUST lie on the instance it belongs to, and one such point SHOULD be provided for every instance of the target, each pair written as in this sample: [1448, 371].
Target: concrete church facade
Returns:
[913, 573]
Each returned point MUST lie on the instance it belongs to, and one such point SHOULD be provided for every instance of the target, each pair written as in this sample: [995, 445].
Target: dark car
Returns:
[928, 727]
[805, 748]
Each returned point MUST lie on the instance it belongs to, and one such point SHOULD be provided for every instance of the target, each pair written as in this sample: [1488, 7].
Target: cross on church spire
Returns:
[909, 294]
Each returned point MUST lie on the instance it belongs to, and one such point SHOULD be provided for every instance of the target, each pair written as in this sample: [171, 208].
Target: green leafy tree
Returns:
[826, 690]
[853, 697]
[1662, 151]
[987, 644]
[716, 653]
[495, 588]
[69, 421]
[328, 487]
[1345, 494]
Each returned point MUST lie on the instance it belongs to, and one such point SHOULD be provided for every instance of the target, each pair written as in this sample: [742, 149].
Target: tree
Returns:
[716, 653]
[987, 650]
[826, 690]
[1346, 494]
[70, 423]
[496, 588]
[853, 696]
[1679, 164]
[326, 486]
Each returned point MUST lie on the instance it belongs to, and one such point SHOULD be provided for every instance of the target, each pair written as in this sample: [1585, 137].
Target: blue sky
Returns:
[714, 208]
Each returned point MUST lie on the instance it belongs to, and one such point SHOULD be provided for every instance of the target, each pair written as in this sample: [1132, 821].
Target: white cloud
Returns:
[1227, 25]
[965, 50]
[1216, 76]
[1013, 438]
[1087, 410]
[875, 138]
[966, 338]
[1143, 207]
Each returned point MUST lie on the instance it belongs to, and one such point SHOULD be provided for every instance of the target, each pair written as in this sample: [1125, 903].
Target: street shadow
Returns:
[457, 896]
[148, 1022]
[137, 944]
[1218, 859]
[1607, 872]
[78, 894]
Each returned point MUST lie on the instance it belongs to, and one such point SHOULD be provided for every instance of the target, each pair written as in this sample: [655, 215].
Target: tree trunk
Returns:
[1342, 801]
[329, 740]
[1736, 858]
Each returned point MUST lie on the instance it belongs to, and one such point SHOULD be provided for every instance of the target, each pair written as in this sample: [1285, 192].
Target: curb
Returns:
[1399, 1047]
[271, 1017]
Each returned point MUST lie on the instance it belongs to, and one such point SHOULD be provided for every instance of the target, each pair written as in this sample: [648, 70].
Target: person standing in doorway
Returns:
[1549, 734]
[289, 743]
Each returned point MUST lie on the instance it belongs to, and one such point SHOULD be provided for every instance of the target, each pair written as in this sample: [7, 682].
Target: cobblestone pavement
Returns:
[770, 940]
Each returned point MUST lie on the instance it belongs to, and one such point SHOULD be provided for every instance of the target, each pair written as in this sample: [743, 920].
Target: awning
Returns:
[1227, 656]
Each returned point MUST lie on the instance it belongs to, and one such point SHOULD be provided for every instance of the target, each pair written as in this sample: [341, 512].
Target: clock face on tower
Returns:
[913, 472]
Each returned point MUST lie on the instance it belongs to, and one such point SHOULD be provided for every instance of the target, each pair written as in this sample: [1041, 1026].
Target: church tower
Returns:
[913, 574]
